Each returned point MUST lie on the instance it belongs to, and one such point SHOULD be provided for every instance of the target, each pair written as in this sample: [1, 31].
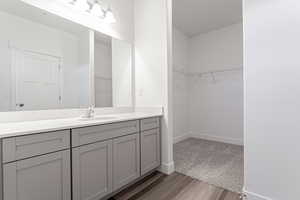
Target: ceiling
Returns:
[199, 16]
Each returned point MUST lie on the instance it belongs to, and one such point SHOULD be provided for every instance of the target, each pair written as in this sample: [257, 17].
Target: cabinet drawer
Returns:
[87, 135]
[17, 148]
[150, 123]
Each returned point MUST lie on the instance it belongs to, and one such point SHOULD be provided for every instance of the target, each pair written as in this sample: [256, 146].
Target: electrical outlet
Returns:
[243, 196]
[141, 92]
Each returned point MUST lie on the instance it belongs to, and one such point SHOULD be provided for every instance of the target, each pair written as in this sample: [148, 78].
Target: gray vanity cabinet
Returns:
[92, 171]
[45, 177]
[126, 160]
[87, 163]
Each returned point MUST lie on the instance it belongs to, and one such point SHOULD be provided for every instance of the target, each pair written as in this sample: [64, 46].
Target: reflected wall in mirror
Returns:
[112, 72]
[44, 60]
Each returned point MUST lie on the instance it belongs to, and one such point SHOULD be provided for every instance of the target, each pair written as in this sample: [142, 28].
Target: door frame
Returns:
[13, 49]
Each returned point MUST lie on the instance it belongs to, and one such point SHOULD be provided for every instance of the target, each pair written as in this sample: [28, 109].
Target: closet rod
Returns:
[103, 78]
[216, 71]
[180, 71]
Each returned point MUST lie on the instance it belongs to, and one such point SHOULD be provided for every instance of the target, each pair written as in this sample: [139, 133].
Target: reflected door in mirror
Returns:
[37, 80]
[44, 60]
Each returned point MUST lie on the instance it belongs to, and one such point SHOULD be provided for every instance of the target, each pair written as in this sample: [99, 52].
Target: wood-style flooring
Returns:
[174, 187]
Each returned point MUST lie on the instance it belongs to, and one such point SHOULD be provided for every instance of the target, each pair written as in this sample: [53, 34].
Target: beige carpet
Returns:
[216, 163]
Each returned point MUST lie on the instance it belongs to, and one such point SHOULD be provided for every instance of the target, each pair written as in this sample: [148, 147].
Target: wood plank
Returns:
[232, 196]
[175, 187]
[200, 190]
[169, 188]
[140, 187]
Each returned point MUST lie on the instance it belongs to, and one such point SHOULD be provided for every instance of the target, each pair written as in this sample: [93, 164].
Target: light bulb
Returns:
[72, 2]
[97, 11]
[82, 5]
[109, 17]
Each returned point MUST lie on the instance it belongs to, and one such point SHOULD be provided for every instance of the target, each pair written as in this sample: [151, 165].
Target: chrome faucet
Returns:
[89, 112]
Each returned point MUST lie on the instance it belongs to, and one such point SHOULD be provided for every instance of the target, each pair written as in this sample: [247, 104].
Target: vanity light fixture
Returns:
[73, 2]
[109, 16]
[95, 8]
[98, 11]
[82, 5]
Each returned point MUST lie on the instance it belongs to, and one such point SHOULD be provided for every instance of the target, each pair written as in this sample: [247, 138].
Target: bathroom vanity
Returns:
[53, 68]
[80, 160]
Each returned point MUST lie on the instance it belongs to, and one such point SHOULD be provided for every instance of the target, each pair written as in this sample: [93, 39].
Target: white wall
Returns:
[28, 35]
[150, 52]
[272, 79]
[218, 49]
[216, 107]
[122, 73]
[180, 89]
[153, 66]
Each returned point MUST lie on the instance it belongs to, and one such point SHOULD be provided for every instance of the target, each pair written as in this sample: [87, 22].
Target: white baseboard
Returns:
[218, 139]
[254, 196]
[180, 138]
[167, 168]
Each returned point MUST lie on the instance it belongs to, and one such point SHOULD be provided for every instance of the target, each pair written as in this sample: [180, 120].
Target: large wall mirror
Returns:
[48, 62]
[112, 72]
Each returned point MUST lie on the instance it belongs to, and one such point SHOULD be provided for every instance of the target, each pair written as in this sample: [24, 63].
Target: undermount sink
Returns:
[98, 118]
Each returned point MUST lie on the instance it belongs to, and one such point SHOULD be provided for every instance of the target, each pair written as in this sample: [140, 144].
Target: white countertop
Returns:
[31, 127]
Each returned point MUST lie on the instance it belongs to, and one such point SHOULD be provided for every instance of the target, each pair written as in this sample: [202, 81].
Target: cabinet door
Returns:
[44, 177]
[150, 150]
[126, 160]
[92, 171]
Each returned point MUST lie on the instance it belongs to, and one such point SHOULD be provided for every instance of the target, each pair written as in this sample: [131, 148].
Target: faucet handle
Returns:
[89, 112]
[92, 110]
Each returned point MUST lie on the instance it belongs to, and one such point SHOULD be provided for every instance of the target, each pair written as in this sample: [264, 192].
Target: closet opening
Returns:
[208, 91]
